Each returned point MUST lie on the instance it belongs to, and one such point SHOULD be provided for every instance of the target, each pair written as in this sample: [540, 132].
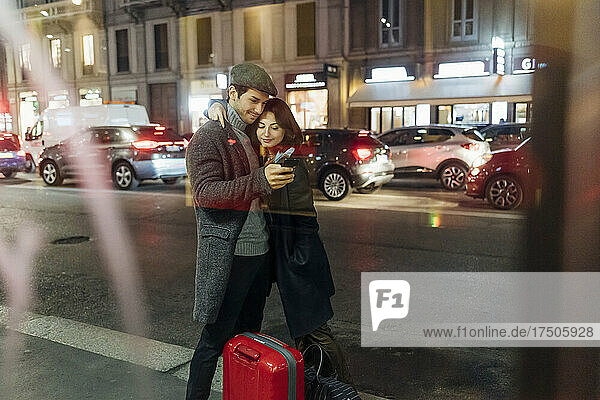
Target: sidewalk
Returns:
[65, 359]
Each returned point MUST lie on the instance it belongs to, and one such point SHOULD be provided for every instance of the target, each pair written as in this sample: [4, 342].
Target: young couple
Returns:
[241, 248]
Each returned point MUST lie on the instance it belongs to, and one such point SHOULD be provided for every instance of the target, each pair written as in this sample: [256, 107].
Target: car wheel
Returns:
[335, 184]
[369, 189]
[170, 181]
[123, 176]
[453, 176]
[50, 173]
[29, 164]
[504, 192]
[8, 174]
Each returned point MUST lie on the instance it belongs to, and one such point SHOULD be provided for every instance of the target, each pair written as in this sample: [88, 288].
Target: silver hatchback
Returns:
[444, 152]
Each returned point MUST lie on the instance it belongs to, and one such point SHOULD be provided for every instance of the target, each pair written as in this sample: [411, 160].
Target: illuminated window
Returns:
[88, 50]
[390, 23]
[55, 52]
[309, 107]
[464, 20]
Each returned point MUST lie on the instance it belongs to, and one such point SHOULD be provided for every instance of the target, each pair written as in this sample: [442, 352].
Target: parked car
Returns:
[52, 127]
[135, 154]
[504, 177]
[341, 159]
[506, 136]
[440, 151]
[12, 157]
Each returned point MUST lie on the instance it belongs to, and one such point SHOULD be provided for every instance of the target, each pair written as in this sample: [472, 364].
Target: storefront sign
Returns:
[389, 74]
[524, 65]
[332, 71]
[499, 55]
[461, 69]
[306, 81]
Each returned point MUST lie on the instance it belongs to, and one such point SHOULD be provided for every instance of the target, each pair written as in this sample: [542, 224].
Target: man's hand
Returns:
[217, 112]
[278, 176]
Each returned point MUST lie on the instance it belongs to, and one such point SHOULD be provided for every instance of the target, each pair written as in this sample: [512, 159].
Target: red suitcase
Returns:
[258, 367]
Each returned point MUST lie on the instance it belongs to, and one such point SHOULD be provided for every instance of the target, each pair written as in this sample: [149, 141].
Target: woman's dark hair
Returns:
[292, 134]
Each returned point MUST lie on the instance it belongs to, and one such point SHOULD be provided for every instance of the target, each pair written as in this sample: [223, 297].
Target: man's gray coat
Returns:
[223, 188]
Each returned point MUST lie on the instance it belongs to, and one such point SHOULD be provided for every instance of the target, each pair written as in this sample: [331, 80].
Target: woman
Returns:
[301, 267]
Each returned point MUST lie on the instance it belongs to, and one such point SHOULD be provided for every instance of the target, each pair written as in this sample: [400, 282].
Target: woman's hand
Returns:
[217, 112]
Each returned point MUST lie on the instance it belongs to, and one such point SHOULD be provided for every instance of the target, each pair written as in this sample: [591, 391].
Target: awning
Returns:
[481, 89]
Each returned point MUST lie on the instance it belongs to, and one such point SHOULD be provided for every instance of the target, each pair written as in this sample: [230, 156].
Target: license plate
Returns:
[382, 157]
[6, 155]
[172, 148]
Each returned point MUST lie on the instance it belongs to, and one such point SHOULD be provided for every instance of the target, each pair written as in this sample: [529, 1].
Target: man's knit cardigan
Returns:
[223, 187]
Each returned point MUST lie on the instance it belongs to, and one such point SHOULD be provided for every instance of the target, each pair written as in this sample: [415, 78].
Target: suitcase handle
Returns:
[247, 352]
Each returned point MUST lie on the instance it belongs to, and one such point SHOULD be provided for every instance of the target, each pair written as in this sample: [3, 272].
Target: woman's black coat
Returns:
[301, 266]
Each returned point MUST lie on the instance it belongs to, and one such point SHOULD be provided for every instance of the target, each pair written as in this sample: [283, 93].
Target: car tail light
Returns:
[471, 146]
[145, 144]
[362, 154]
[363, 133]
[21, 153]
[160, 128]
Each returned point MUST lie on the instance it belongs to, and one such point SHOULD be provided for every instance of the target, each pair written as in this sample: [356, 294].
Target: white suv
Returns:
[442, 151]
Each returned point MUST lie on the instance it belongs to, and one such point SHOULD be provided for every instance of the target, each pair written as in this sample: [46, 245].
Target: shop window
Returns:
[521, 112]
[445, 114]
[499, 112]
[397, 117]
[376, 119]
[423, 114]
[471, 113]
[56, 53]
[464, 20]
[88, 54]
[252, 36]
[122, 41]
[386, 119]
[309, 107]
[204, 39]
[161, 46]
[305, 32]
[410, 116]
[390, 23]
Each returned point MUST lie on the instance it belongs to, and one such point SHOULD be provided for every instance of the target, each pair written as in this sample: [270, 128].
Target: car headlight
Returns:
[479, 161]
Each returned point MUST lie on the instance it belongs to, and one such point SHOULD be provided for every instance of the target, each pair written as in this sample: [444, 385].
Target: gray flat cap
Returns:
[252, 76]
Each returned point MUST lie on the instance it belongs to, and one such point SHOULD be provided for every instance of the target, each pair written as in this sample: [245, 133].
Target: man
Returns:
[232, 269]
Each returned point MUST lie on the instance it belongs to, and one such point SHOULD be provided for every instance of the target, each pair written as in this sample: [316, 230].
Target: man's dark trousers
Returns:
[241, 311]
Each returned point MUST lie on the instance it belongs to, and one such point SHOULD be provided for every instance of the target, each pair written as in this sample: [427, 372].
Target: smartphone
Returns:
[290, 162]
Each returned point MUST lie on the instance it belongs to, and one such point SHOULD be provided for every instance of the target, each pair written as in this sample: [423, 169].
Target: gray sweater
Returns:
[254, 237]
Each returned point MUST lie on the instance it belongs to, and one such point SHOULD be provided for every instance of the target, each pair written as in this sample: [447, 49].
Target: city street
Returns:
[408, 225]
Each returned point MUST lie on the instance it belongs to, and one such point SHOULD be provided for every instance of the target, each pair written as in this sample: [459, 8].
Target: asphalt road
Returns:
[408, 226]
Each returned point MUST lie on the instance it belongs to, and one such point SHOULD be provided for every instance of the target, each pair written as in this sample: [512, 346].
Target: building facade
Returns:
[173, 58]
[70, 35]
[372, 64]
[439, 61]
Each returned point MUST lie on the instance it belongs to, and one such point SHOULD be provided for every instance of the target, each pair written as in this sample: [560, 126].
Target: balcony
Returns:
[138, 3]
[48, 9]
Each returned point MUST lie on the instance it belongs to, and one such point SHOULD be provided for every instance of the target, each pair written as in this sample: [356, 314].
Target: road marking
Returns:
[102, 191]
[423, 210]
[435, 206]
[149, 353]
